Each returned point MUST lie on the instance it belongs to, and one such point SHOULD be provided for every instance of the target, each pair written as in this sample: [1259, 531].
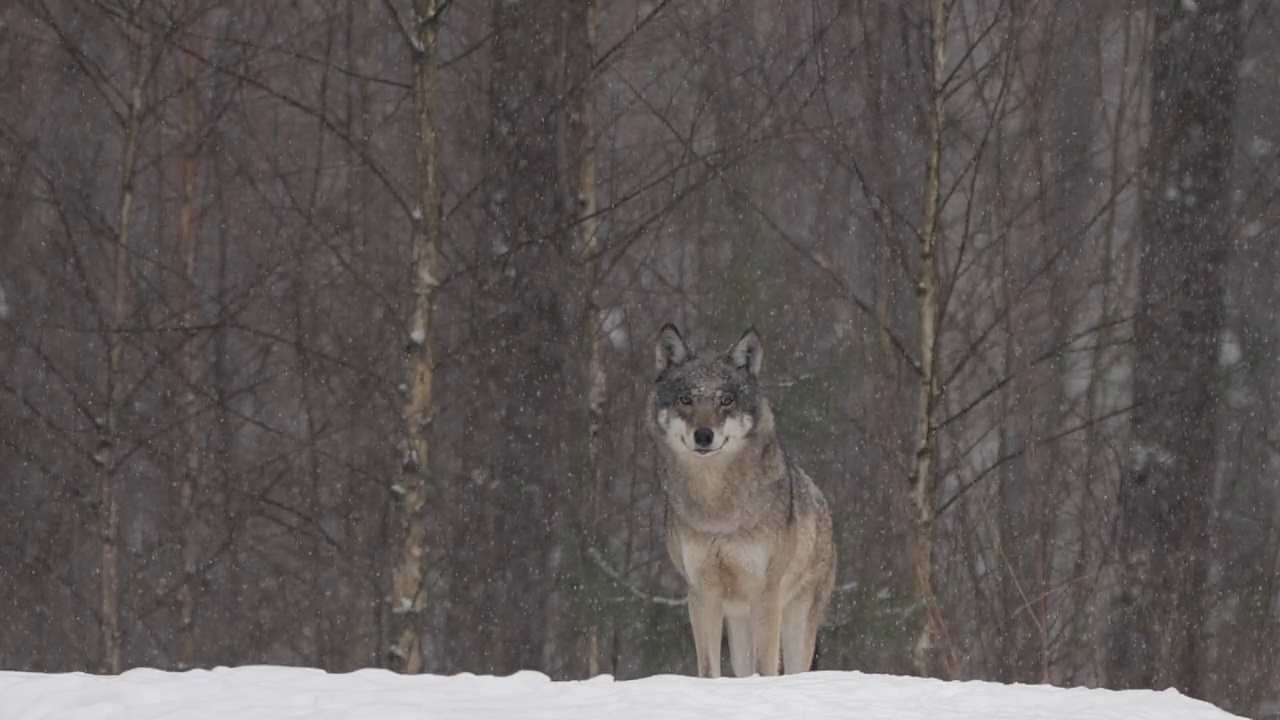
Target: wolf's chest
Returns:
[734, 569]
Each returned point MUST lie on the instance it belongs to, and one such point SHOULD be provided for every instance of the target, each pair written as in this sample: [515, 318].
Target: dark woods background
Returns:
[325, 327]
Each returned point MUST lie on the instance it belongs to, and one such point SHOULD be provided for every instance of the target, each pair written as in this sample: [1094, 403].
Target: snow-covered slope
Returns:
[281, 693]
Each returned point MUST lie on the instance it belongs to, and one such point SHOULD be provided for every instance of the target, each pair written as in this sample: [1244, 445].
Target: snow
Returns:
[615, 329]
[1229, 350]
[272, 692]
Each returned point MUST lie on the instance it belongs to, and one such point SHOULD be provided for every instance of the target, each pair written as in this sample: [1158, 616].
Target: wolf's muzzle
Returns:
[703, 437]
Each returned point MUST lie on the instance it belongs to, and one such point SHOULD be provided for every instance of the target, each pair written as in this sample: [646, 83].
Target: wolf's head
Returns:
[707, 406]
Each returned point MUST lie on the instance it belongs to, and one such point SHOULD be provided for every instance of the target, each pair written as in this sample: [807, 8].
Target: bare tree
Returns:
[1161, 608]
[408, 584]
[189, 472]
[932, 638]
[138, 40]
[589, 250]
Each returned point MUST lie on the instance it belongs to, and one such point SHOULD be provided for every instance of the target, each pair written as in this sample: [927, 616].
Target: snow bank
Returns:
[279, 693]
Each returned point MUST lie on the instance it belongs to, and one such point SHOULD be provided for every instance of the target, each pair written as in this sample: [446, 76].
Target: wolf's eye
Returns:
[686, 400]
[726, 400]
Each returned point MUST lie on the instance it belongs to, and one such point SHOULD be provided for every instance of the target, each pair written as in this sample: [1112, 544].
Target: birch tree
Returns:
[932, 637]
[408, 583]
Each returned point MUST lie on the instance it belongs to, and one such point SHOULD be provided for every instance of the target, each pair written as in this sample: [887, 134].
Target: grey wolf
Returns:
[747, 529]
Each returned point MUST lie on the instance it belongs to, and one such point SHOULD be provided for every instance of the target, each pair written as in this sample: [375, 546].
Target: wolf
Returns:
[747, 529]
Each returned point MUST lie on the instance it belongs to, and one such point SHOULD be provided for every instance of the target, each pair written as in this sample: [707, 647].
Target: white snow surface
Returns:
[280, 693]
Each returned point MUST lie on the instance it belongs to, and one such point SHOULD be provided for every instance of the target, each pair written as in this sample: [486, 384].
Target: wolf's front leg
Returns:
[742, 645]
[800, 620]
[766, 619]
[706, 615]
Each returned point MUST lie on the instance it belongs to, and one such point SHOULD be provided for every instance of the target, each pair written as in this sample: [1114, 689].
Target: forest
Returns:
[326, 328]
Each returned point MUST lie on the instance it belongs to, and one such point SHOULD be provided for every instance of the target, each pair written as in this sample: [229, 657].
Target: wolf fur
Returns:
[747, 529]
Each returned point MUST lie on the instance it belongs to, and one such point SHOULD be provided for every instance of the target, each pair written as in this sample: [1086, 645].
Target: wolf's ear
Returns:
[670, 349]
[748, 354]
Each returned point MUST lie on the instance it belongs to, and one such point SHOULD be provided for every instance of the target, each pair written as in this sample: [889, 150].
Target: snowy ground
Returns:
[281, 693]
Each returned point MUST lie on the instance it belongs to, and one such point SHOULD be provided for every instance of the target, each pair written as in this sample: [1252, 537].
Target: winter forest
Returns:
[326, 328]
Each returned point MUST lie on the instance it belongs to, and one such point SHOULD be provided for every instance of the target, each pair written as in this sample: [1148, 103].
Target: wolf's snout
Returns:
[703, 437]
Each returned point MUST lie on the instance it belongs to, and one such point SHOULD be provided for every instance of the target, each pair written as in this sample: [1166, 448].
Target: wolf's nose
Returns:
[703, 437]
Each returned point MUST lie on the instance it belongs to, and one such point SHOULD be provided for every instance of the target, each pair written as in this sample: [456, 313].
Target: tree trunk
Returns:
[190, 452]
[408, 583]
[105, 457]
[592, 319]
[932, 642]
[365, 571]
[1160, 608]
[531, 362]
